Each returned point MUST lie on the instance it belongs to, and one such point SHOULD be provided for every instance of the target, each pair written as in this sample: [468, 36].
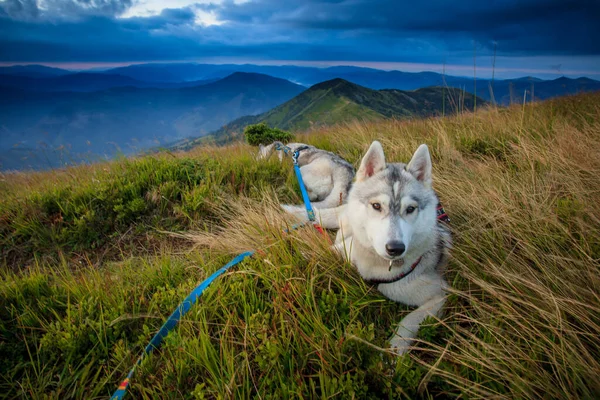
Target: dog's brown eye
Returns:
[410, 209]
[376, 206]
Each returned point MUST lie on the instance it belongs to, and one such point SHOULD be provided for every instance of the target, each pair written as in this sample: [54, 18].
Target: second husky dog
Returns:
[326, 175]
[389, 231]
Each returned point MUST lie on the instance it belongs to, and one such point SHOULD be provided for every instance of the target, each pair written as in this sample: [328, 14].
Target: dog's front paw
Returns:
[400, 345]
[340, 249]
[297, 212]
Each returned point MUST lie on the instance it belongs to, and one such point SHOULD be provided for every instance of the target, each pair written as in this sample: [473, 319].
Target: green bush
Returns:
[263, 134]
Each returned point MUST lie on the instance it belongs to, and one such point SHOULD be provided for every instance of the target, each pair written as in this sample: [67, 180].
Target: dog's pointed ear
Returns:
[420, 165]
[372, 162]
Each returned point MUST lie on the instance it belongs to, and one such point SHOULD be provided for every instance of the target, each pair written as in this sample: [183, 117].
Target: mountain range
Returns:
[87, 82]
[174, 75]
[33, 71]
[51, 117]
[338, 100]
[124, 120]
[503, 91]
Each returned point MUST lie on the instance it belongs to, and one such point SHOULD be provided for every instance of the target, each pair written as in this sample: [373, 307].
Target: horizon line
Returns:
[450, 69]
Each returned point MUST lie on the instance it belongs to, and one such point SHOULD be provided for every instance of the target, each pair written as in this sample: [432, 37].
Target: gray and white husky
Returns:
[389, 230]
[326, 175]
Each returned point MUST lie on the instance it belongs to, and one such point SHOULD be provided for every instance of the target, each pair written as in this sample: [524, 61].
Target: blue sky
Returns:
[545, 38]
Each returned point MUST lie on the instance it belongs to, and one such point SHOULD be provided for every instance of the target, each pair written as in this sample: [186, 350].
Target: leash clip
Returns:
[400, 262]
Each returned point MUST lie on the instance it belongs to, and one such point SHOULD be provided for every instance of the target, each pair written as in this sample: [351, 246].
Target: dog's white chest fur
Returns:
[424, 288]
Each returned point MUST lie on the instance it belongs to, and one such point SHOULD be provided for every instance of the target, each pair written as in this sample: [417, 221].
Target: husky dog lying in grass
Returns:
[327, 176]
[389, 230]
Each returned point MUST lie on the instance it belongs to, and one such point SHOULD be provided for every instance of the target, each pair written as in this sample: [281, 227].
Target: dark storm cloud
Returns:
[62, 9]
[19, 9]
[563, 26]
[358, 30]
[97, 39]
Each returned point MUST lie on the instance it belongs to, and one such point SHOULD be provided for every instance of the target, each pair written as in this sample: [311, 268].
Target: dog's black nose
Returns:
[395, 248]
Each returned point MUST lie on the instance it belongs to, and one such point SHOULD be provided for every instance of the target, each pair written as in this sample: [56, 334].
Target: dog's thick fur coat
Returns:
[388, 225]
[326, 175]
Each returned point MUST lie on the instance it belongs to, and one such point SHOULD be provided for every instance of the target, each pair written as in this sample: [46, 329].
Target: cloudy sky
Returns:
[545, 38]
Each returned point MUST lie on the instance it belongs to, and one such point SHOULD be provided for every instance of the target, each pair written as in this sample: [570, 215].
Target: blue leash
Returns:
[189, 301]
[172, 321]
[309, 210]
[295, 154]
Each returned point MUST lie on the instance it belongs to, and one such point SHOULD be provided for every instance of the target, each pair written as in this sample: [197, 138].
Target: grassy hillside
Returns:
[89, 272]
[338, 100]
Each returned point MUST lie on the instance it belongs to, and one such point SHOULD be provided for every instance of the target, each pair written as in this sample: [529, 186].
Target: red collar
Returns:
[441, 214]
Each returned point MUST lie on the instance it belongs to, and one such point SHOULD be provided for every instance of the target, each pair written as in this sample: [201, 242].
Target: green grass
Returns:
[89, 271]
[127, 199]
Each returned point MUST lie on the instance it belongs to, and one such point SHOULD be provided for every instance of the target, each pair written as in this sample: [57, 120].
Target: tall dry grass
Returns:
[522, 187]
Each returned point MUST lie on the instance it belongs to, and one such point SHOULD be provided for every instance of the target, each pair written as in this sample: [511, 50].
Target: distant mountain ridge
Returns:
[87, 82]
[132, 108]
[33, 71]
[338, 100]
[128, 119]
[504, 91]
[173, 75]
